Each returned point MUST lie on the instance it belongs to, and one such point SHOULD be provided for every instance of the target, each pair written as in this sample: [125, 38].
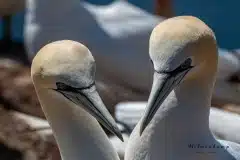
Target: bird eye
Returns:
[186, 64]
[61, 86]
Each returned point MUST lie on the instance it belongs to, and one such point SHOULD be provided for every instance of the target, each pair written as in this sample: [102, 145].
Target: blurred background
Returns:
[27, 25]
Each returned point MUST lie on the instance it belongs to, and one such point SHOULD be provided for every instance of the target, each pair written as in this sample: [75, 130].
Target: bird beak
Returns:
[163, 84]
[89, 99]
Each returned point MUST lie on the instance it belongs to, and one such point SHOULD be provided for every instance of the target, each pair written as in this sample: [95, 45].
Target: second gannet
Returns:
[63, 76]
[175, 125]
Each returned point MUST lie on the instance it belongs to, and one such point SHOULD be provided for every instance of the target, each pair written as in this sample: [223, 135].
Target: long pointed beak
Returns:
[163, 84]
[90, 100]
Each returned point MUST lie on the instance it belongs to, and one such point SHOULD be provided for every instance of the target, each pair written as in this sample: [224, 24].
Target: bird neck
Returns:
[78, 134]
[183, 118]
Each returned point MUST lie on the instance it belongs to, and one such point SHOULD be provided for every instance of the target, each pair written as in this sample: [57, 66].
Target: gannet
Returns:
[176, 122]
[63, 75]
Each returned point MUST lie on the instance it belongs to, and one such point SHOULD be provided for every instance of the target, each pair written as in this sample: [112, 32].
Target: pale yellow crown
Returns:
[176, 39]
[64, 61]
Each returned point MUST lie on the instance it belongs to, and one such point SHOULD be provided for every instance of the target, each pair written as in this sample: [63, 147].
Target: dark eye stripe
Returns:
[185, 65]
[63, 87]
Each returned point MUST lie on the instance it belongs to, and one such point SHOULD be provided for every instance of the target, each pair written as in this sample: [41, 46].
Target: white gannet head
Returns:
[68, 68]
[181, 49]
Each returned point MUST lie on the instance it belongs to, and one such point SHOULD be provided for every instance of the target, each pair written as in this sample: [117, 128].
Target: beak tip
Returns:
[119, 135]
[141, 130]
[121, 138]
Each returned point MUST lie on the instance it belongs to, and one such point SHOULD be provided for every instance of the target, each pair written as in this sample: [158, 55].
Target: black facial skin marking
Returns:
[184, 66]
[63, 87]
